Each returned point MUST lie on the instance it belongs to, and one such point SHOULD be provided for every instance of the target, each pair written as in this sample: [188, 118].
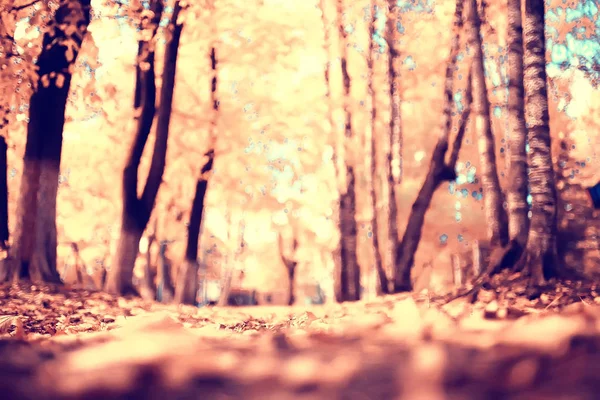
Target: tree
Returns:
[165, 291]
[518, 221]
[394, 165]
[4, 233]
[187, 284]
[541, 244]
[338, 139]
[382, 283]
[288, 256]
[347, 274]
[33, 254]
[496, 220]
[439, 170]
[137, 210]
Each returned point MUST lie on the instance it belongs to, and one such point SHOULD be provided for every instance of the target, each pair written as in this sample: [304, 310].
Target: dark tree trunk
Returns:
[438, 172]
[290, 262]
[135, 216]
[541, 245]
[376, 146]
[348, 285]
[187, 284]
[165, 291]
[394, 167]
[4, 234]
[348, 277]
[518, 221]
[136, 211]
[496, 220]
[33, 254]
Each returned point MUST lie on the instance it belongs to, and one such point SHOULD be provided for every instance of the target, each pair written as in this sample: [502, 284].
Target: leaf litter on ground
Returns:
[91, 333]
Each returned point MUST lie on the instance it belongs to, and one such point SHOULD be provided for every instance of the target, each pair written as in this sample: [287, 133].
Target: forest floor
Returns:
[66, 343]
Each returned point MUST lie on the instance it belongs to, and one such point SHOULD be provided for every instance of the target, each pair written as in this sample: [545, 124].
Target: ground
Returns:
[67, 343]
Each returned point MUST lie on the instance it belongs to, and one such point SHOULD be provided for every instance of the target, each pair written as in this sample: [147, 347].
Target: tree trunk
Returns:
[136, 211]
[291, 278]
[147, 287]
[348, 287]
[338, 150]
[541, 245]
[290, 262]
[4, 234]
[518, 221]
[438, 170]
[394, 167]
[34, 251]
[378, 247]
[165, 291]
[496, 221]
[187, 285]
[134, 216]
[338, 139]
[394, 68]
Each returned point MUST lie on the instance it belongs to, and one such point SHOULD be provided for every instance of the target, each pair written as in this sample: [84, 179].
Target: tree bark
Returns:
[136, 211]
[290, 262]
[438, 170]
[187, 285]
[338, 150]
[338, 140]
[4, 234]
[33, 254]
[518, 221]
[541, 245]
[394, 167]
[378, 247]
[165, 291]
[496, 220]
[394, 70]
[348, 285]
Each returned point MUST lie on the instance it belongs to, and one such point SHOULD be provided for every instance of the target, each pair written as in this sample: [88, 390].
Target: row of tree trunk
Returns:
[520, 241]
[33, 254]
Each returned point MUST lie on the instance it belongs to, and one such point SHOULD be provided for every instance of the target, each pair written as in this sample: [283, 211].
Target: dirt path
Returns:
[76, 345]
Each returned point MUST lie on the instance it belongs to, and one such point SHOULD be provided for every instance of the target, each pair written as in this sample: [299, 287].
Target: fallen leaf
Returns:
[6, 322]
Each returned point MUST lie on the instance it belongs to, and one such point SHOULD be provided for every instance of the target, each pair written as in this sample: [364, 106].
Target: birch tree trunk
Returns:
[518, 221]
[541, 245]
[496, 220]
